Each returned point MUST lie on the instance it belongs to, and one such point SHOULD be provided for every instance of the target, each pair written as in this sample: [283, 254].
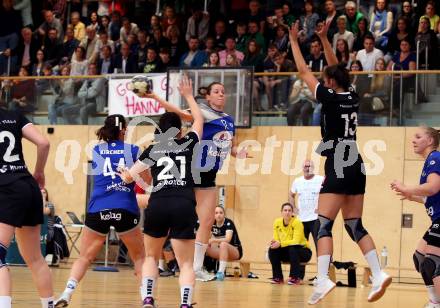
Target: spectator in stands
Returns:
[89, 44]
[79, 29]
[26, 49]
[125, 62]
[316, 59]
[210, 45]
[50, 22]
[141, 50]
[70, 43]
[23, 94]
[281, 39]
[277, 20]
[152, 65]
[80, 63]
[289, 245]
[381, 23]
[308, 21]
[219, 34]
[269, 67]
[279, 86]
[256, 14]
[232, 61]
[165, 60]
[254, 58]
[127, 28]
[253, 33]
[53, 49]
[66, 96]
[104, 25]
[193, 57]
[342, 52]
[369, 54]
[353, 17]
[177, 45]
[170, 18]
[132, 42]
[331, 16]
[360, 82]
[158, 40]
[11, 24]
[411, 16]
[360, 36]
[103, 40]
[92, 96]
[230, 50]
[240, 37]
[397, 35]
[213, 60]
[106, 63]
[427, 39]
[301, 102]
[343, 33]
[288, 15]
[94, 22]
[115, 26]
[198, 24]
[434, 19]
[224, 245]
[37, 68]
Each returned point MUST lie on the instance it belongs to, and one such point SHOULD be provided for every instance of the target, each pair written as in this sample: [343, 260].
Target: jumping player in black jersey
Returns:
[21, 204]
[224, 245]
[344, 185]
[171, 209]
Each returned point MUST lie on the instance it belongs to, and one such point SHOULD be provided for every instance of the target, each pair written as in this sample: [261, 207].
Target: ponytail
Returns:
[434, 134]
[113, 125]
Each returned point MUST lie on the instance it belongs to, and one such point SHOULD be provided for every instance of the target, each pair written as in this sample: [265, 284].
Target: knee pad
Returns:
[3, 251]
[430, 269]
[418, 259]
[324, 227]
[355, 229]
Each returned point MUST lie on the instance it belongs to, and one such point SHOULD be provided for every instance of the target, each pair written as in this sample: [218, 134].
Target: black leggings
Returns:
[295, 255]
[310, 227]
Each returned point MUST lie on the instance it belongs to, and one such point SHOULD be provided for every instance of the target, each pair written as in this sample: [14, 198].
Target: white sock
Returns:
[186, 294]
[199, 255]
[5, 301]
[71, 285]
[162, 264]
[323, 265]
[47, 302]
[147, 287]
[373, 262]
[222, 266]
[433, 298]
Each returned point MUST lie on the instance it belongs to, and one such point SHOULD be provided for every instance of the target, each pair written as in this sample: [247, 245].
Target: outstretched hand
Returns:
[294, 32]
[322, 34]
[185, 86]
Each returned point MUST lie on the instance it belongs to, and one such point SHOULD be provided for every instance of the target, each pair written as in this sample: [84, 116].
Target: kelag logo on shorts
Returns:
[110, 216]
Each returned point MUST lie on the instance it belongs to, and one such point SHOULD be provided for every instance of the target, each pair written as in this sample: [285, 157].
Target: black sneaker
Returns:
[186, 306]
[148, 302]
[166, 273]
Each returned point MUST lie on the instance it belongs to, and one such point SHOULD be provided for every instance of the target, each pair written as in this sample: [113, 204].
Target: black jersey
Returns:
[12, 164]
[170, 161]
[220, 232]
[338, 116]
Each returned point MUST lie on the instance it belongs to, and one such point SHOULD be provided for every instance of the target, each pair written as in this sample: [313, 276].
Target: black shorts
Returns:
[207, 179]
[122, 220]
[171, 216]
[349, 180]
[21, 203]
[432, 236]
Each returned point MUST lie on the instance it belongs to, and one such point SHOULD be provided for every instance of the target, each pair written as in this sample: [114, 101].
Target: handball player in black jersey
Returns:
[171, 210]
[21, 204]
[344, 185]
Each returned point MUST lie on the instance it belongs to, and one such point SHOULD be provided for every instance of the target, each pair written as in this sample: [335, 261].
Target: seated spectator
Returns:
[331, 16]
[26, 49]
[353, 17]
[434, 19]
[253, 57]
[141, 49]
[407, 11]
[49, 211]
[288, 15]
[132, 42]
[103, 40]
[278, 87]
[94, 23]
[231, 61]
[154, 22]
[360, 36]
[158, 40]
[115, 26]
[269, 67]
[219, 34]
[89, 44]
[66, 96]
[301, 103]
[170, 18]
[288, 245]
[50, 22]
[193, 57]
[213, 60]
[92, 96]
[277, 20]
[69, 45]
[281, 39]
[381, 23]
[126, 29]
[360, 82]
[316, 59]
[23, 97]
[308, 21]
[104, 25]
[241, 37]
[106, 63]
[79, 64]
[79, 29]
[210, 45]
[198, 24]
[37, 68]
[152, 65]
[45, 88]
[165, 60]
[230, 50]
[342, 52]
[177, 45]
[343, 33]
[255, 14]
[125, 62]
[369, 54]
[224, 245]
[397, 35]
[53, 49]
[428, 40]
[253, 33]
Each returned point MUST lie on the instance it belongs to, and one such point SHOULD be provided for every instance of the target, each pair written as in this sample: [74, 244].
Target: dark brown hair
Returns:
[113, 125]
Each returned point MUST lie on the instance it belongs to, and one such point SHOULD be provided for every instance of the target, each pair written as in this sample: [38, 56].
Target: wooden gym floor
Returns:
[100, 289]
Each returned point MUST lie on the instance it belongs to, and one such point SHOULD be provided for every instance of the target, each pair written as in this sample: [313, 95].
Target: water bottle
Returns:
[384, 257]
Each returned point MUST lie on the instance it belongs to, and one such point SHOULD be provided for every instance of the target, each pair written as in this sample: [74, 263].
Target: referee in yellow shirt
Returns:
[288, 245]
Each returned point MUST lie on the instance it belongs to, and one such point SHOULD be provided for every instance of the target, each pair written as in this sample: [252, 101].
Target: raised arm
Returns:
[186, 90]
[184, 115]
[328, 50]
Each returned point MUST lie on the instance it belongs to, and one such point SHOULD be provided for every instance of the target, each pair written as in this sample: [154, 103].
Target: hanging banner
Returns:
[125, 102]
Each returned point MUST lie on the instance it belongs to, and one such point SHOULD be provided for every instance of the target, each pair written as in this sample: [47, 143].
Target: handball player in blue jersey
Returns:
[217, 142]
[427, 254]
[112, 204]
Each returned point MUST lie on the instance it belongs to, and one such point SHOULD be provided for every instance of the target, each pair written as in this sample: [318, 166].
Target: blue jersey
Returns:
[218, 131]
[432, 203]
[109, 191]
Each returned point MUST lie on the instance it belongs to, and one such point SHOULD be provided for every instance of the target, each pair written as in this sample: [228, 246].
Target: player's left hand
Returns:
[293, 31]
[40, 178]
[398, 187]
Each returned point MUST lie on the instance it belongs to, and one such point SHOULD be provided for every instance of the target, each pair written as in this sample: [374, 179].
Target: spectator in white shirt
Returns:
[127, 29]
[369, 55]
[103, 41]
[343, 33]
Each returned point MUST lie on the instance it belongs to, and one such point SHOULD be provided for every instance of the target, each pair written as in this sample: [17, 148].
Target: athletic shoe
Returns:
[186, 306]
[64, 300]
[294, 281]
[323, 286]
[166, 273]
[380, 284]
[148, 302]
[220, 276]
[432, 305]
[203, 275]
[276, 281]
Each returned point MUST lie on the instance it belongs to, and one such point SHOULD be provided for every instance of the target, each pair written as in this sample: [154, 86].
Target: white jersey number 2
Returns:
[8, 157]
[168, 164]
